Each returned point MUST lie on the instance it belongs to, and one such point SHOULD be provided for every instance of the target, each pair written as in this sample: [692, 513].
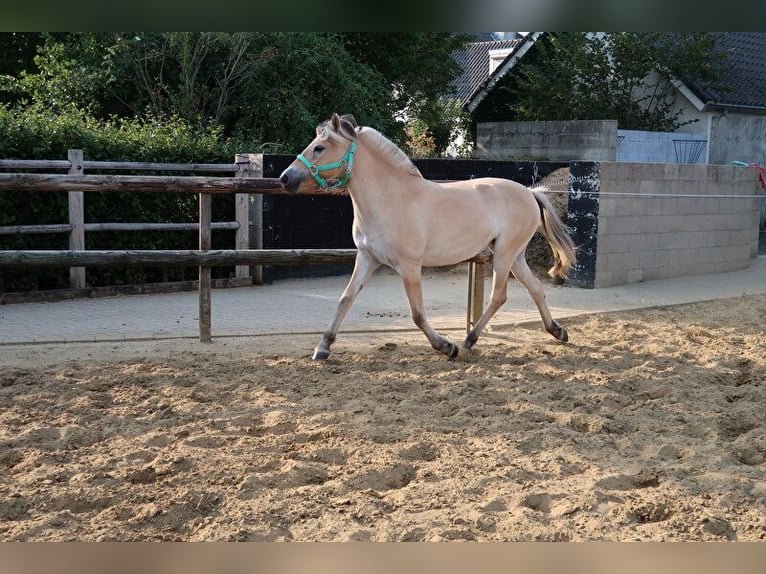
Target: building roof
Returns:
[474, 60]
[744, 73]
[477, 81]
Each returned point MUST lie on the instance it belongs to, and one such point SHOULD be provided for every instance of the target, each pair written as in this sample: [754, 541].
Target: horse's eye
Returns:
[318, 149]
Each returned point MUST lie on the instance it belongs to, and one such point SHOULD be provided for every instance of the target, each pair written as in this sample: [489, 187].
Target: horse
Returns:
[407, 222]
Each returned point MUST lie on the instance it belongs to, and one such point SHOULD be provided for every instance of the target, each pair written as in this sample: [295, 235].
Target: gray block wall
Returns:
[590, 140]
[657, 231]
[737, 137]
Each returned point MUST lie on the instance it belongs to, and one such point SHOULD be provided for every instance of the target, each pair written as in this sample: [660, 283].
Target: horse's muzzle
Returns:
[290, 179]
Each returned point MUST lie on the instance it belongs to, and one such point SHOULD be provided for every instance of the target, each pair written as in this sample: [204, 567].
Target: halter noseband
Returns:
[346, 161]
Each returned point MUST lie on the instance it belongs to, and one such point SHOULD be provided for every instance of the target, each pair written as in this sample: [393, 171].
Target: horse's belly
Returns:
[447, 249]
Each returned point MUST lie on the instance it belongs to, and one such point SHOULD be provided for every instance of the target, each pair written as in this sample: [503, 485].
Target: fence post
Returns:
[242, 216]
[250, 232]
[205, 284]
[76, 220]
[476, 275]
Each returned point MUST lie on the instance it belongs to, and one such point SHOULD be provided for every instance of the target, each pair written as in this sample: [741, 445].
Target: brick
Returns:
[614, 261]
[611, 244]
[607, 206]
[635, 275]
[647, 259]
[669, 205]
[670, 171]
[631, 260]
[653, 206]
[637, 242]
[687, 171]
[603, 279]
[664, 257]
[647, 186]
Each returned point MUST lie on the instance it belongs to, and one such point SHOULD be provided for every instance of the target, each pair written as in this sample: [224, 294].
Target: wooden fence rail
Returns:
[117, 165]
[185, 257]
[247, 181]
[91, 227]
[137, 183]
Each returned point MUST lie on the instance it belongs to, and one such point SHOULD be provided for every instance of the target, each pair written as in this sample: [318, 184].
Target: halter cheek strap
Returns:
[346, 161]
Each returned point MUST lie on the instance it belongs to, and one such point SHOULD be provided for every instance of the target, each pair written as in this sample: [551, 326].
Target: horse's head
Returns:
[327, 161]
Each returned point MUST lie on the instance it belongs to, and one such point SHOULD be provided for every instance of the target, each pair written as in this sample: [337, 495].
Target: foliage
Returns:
[438, 125]
[17, 52]
[298, 81]
[417, 97]
[270, 87]
[420, 143]
[625, 76]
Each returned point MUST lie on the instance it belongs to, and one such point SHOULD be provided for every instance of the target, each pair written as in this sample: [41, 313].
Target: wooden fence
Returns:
[247, 217]
[246, 183]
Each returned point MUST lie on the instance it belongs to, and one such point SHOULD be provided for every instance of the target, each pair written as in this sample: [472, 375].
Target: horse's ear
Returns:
[350, 119]
[335, 123]
[348, 125]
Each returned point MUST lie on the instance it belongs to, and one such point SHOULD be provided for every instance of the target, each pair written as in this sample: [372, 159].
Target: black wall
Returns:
[583, 220]
[304, 222]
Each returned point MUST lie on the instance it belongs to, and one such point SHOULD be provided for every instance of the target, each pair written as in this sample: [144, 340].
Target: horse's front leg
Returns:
[364, 267]
[412, 279]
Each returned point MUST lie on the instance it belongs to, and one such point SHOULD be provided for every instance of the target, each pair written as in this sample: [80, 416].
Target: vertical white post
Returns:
[205, 283]
[242, 216]
[250, 233]
[76, 220]
[242, 239]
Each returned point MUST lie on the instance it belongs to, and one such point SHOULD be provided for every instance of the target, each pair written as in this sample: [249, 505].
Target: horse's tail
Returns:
[557, 234]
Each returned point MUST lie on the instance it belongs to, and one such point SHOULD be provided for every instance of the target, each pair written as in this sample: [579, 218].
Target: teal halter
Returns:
[346, 161]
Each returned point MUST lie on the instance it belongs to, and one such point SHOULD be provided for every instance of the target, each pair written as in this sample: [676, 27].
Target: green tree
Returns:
[268, 86]
[625, 76]
[298, 80]
[17, 51]
[419, 68]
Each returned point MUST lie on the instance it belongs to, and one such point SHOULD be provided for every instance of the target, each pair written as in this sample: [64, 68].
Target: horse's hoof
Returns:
[559, 332]
[453, 351]
[470, 340]
[466, 355]
[320, 355]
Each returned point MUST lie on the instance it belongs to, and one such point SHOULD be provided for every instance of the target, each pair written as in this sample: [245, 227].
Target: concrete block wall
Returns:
[737, 137]
[591, 140]
[656, 231]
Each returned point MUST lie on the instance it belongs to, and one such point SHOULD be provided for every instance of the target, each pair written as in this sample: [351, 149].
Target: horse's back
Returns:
[497, 197]
[463, 217]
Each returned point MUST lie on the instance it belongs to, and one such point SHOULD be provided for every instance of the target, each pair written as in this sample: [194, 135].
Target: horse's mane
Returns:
[389, 150]
[377, 141]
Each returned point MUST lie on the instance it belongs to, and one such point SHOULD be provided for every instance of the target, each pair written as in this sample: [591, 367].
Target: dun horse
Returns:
[407, 222]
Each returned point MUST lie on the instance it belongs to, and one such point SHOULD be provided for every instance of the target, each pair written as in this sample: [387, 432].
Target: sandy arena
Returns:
[648, 425]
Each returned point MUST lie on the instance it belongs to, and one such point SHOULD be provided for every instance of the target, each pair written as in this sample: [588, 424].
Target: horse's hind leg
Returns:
[501, 266]
[534, 286]
[412, 280]
[363, 269]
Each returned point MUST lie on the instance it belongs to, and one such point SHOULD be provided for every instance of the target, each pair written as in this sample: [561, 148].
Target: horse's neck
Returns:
[378, 192]
[370, 208]
[382, 185]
